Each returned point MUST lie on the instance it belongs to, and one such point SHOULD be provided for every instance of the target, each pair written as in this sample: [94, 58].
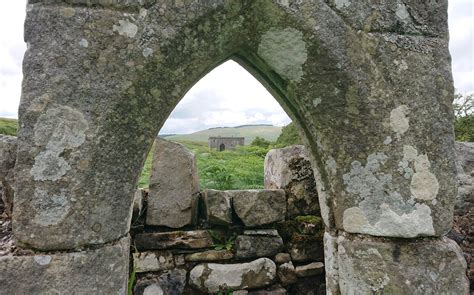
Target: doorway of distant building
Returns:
[222, 147]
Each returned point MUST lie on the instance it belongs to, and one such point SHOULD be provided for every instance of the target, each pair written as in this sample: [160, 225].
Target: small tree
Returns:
[464, 117]
[260, 142]
[289, 136]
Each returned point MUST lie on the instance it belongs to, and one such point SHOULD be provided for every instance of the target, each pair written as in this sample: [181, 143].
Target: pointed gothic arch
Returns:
[369, 87]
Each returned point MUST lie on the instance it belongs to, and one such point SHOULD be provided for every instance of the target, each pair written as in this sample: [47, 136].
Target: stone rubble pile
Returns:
[219, 241]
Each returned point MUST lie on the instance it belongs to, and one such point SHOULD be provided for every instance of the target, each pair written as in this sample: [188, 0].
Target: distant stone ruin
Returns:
[367, 83]
[225, 143]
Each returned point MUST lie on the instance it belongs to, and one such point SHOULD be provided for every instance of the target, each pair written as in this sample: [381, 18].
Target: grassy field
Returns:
[8, 126]
[238, 169]
[267, 132]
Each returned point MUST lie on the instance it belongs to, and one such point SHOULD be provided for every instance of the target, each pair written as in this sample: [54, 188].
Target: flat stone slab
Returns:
[174, 186]
[174, 240]
[309, 270]
[368, 265]
[210, 255]
[212, 277]
[153, 261]
[259, 207]
[258, 245]
[217, 207]
[104, 269]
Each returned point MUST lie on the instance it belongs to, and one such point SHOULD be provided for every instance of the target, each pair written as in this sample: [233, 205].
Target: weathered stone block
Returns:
[369, 265]
[465, 169]
[8, 148]
[174, 240]
[174, 186]
[258, 244]
[212, 277]
[306, 248]
[153, 261]
[259, 207]
[309, 270]
[104, 269]
[170, 282]
[282, 258]
[289, 168]
[210, 255]
[217, 207]
[286, 274]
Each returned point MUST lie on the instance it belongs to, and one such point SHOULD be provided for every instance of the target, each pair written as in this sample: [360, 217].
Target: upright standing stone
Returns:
[289, 168]
[174, 186]
[7, 163]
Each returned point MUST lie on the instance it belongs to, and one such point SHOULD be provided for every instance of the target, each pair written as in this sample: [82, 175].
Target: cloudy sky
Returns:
[228, 95]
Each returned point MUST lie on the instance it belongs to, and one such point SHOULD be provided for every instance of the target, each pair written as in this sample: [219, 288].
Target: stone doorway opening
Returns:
[275, 231]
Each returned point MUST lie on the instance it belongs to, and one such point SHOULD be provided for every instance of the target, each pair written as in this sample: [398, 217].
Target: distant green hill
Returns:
[8, 126]
[268, 132]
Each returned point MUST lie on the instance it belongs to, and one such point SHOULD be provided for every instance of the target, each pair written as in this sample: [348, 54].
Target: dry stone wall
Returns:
[243, 241]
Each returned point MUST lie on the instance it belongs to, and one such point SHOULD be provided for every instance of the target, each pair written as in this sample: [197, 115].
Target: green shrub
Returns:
[260, 142]
[464, 118]
[289, 136]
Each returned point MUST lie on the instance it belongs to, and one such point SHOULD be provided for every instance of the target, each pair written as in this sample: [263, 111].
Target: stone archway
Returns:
[222, 147]
[368, 85]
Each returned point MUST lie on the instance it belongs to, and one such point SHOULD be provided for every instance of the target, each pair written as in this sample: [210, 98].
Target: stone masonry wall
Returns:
[228, 142]
[244, 241]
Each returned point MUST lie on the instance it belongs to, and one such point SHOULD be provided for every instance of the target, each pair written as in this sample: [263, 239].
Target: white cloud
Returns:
[461, 46]
[228, 95]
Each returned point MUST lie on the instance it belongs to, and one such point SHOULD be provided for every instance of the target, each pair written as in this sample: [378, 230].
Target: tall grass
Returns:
[241, 168]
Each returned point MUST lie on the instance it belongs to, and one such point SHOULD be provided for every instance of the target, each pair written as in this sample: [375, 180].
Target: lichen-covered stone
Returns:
[290, 169]
[258, 244]
[210, 255]
[174, 240]
[259, 207]
[84, 272]
[8, 148]
[174, 186]
[217, 207]
[212, 277]
[152, 261]
[369, 265]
